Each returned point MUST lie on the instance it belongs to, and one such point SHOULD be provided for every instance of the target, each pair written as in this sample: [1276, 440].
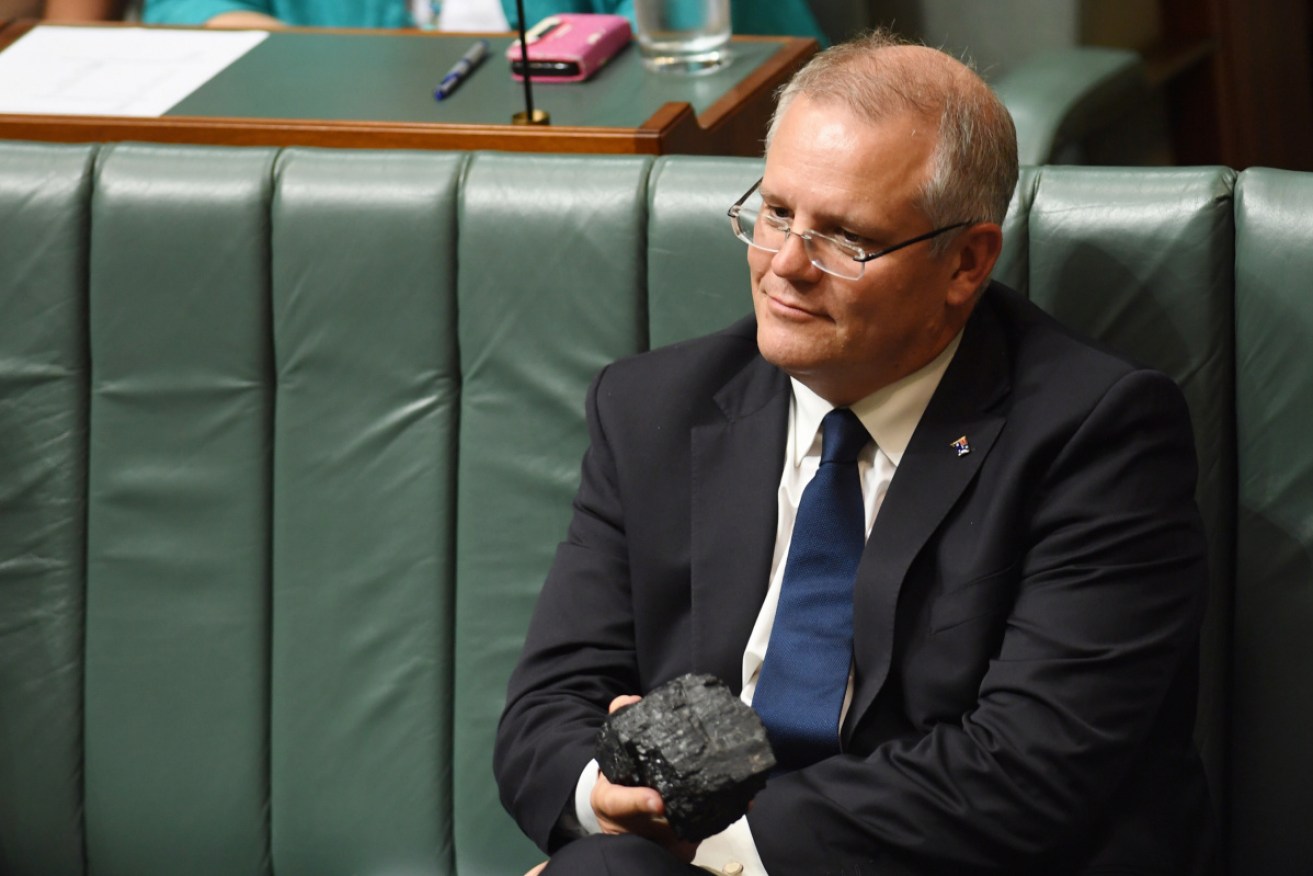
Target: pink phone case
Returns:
[569, 46]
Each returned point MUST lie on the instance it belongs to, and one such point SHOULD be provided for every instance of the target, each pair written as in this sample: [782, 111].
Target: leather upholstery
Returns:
[1062, 97]
[45, 216]
[178, 517]
[1142, 262]
[1272, 714]
[366, 391]
[555, 292]
[288, 438]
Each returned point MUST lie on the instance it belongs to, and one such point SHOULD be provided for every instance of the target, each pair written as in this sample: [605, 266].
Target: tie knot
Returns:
[842, 436]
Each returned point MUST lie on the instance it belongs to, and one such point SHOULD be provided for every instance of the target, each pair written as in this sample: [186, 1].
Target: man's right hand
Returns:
[641, 811]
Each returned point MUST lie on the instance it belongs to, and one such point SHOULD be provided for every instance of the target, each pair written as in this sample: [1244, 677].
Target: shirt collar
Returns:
[890, 414]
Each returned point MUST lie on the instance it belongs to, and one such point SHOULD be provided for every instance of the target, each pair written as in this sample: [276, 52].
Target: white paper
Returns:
[113, 71]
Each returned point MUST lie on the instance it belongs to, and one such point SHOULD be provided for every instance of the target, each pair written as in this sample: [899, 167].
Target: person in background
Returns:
[63, 10]
[791, 17]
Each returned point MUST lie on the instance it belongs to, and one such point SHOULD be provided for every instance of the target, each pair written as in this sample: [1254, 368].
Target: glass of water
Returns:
[683, 36]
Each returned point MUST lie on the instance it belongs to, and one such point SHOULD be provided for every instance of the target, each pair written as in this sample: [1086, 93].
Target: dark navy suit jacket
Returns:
[1026, 614]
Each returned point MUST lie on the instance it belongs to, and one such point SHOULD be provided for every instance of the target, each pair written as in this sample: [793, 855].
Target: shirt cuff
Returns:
[732, 846]
[583, 799]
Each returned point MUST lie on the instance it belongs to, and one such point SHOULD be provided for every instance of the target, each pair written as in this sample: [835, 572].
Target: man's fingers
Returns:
[536, 870]
[621, 701]
[621, 809]
[641, 811]
[622, 805]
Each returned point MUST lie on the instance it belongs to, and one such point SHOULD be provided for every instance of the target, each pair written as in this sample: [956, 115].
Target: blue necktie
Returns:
[801, 686]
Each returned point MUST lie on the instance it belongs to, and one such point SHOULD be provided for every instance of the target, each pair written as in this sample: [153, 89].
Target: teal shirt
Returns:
[790, 17]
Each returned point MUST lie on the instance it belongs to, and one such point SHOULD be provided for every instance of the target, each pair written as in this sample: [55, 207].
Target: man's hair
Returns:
[975, 159]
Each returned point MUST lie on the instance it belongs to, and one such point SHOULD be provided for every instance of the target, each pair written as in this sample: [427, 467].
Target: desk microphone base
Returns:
[539, 117]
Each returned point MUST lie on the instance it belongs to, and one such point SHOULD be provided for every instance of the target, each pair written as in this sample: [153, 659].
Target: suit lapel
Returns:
[930, 478]
[735, 464]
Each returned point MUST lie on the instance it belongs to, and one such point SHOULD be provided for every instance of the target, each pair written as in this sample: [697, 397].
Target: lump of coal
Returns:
[694, 742]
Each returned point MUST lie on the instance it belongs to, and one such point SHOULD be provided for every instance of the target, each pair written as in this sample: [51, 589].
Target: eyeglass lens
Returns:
[768, 232]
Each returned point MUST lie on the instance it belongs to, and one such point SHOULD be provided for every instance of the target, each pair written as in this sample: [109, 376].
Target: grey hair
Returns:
[974, 165]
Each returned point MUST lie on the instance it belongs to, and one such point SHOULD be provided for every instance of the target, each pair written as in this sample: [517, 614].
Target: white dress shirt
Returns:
[890, 415]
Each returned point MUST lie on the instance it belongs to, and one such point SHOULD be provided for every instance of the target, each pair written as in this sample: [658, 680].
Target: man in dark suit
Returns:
[1022, 624]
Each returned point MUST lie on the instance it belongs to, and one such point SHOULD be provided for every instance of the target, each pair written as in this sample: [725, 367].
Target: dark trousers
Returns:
[624, 855]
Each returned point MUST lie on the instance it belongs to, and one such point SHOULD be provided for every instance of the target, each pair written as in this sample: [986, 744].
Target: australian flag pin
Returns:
[961, 446]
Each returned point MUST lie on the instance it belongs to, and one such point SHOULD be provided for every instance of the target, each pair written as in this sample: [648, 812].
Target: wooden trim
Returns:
[673, 123]
[786, 61]
[734, 125]
[11, 29]
[739, 119]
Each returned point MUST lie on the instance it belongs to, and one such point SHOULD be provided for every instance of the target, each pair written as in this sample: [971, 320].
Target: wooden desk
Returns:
[313, 87]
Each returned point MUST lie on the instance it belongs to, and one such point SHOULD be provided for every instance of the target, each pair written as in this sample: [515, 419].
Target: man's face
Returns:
[828, 171]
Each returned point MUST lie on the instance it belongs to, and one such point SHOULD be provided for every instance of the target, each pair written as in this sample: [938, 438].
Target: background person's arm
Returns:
[244, 19]
[84, 10]
[215, 13]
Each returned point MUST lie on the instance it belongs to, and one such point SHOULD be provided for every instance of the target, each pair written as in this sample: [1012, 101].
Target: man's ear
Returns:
[974, 254]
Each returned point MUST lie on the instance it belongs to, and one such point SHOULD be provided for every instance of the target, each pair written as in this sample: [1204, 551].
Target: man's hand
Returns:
[640, 811]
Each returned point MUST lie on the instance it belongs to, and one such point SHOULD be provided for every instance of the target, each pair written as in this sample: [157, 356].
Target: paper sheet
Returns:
[113, 71]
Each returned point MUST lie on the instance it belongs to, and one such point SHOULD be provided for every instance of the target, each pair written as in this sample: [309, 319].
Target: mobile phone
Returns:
[569, 46]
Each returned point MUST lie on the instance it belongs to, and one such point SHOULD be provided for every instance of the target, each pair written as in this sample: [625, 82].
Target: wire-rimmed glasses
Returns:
[756, 226]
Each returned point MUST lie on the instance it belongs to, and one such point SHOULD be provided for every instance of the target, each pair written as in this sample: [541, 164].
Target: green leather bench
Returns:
[288, 438]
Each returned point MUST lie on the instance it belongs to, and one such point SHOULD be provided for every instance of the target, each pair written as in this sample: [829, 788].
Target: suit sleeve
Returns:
[1099, 644]
[578, 655]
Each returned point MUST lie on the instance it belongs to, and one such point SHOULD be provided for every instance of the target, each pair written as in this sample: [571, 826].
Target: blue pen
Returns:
[461, 69]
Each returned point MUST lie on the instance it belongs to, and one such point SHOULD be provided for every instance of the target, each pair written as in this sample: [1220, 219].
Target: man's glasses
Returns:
[755, 226]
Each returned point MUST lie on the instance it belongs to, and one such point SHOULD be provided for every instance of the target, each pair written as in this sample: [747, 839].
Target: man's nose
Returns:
[793, 260]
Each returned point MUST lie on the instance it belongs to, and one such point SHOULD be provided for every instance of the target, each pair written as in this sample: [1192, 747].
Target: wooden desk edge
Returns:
[770, 74]
[742, 114]
[352, 135]
[11, 29]
[732, 125]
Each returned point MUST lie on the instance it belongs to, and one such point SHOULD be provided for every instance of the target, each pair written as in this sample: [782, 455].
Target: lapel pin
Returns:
[961, 446]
